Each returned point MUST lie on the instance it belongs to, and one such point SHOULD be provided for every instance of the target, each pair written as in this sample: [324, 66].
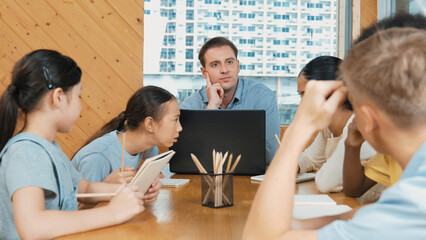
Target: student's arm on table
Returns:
[100, 187]
[270, 216]
[355, 183]
[93, 167]
[32, 220]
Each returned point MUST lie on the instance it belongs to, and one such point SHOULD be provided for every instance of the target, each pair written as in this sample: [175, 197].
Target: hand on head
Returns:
[354, 138]
[320, 102]
[215, 93]
[120, 177]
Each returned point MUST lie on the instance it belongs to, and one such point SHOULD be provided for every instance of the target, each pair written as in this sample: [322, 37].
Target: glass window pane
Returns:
[275, 38]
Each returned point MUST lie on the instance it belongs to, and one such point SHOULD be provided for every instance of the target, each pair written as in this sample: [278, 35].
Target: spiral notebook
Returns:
[173, 183]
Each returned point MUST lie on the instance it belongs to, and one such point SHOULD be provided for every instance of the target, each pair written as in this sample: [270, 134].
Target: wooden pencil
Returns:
[278, 140]
[228, 167]
[224, 159]
[90, 195]
[214, 159]
[198, 164]
[235, 163]
[122, 152]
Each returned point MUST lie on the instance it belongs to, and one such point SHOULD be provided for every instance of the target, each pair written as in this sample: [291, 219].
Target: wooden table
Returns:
[178, 214]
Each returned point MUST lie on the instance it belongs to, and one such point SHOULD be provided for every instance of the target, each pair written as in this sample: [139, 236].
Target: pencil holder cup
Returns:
[217, 190]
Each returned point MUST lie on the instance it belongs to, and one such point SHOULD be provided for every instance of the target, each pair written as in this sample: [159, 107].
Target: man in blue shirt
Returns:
[225, 90]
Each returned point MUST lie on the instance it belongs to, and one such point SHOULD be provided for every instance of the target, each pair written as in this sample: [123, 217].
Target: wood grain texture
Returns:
[105, 38]
[364, 13]
[368, 13]
[178, 214]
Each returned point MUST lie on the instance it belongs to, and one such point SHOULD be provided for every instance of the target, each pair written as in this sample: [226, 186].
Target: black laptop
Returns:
[236, 131]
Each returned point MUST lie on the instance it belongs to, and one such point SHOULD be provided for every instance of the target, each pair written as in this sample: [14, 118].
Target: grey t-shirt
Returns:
[33, 161]
[101, 157]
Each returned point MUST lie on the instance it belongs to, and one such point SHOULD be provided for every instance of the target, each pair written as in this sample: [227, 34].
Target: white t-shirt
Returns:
[326, 156]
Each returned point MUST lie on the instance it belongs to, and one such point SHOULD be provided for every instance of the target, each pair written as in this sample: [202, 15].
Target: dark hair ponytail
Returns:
[145, 102]
[8, 115]
[32, 77]
[324, 68]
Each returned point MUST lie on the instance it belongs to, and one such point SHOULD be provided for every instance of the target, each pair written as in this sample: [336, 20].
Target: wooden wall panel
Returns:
[368, 13]
[364, 13]
[105, 38]
[130, 12]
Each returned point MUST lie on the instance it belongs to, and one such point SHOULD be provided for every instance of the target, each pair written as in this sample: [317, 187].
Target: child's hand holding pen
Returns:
[119, 176]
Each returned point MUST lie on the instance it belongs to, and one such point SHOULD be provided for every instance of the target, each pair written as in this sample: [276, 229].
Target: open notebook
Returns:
[311, 211]
[173, 182]
[144, 177]
[313, 200]
[301, 177]
[316, 205]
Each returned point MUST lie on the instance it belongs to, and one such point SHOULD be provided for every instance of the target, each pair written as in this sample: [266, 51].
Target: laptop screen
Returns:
[234, 131]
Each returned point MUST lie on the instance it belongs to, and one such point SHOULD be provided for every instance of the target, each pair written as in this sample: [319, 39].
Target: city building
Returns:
[275, 40]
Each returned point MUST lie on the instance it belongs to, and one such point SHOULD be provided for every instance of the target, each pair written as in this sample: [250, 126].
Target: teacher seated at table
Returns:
[226, 90]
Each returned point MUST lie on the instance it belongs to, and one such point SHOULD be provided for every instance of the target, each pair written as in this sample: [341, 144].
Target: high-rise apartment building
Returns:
[275, 40]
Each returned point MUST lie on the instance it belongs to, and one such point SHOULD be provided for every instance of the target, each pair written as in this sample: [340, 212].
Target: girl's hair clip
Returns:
[48, 77]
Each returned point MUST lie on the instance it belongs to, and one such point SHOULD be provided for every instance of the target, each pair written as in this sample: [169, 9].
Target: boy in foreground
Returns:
[385, 78]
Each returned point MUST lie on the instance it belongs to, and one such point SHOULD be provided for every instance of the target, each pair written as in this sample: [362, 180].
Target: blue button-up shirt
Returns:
[250, 95]
[400, 213]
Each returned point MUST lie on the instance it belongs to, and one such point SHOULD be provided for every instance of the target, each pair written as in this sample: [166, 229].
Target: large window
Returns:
[275, 38]
[386, 8]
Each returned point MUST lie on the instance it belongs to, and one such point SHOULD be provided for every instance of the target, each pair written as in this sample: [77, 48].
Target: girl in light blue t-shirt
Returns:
[151, 119]
[37, 180]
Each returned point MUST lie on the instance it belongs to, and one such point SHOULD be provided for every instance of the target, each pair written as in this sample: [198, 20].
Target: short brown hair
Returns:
[400, 20]
[389, 70]
[215, 42]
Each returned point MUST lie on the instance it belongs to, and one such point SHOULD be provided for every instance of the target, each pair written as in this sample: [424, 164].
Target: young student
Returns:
[384, 169]
[358, 177]
[151, 119]
[326, 153]
[385, 78]
[37, 181]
